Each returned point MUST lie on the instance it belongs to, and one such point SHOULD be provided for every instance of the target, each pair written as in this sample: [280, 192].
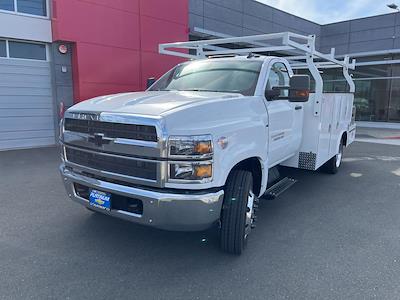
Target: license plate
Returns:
[100, 200]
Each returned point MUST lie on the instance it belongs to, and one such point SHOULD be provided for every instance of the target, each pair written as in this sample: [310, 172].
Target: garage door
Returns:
[26, 105]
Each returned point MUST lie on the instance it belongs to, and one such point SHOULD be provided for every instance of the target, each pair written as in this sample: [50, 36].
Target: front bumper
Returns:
[169, 211]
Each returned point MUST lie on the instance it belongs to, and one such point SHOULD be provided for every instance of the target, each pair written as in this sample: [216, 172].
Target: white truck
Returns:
[205, 142]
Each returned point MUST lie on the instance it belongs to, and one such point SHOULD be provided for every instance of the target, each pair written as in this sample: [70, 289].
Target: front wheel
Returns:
[238, 212]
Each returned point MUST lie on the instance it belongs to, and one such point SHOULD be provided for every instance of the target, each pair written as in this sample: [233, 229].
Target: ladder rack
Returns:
[299, 50]
[287, 44]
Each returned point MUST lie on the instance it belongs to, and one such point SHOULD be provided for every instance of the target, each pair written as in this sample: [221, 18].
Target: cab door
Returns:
[281, 117]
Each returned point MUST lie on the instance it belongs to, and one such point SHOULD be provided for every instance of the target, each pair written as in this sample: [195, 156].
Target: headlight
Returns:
[190, 146]
[193, 172]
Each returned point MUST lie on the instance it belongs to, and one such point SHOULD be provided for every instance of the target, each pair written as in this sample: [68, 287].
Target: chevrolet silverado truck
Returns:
[204, 143]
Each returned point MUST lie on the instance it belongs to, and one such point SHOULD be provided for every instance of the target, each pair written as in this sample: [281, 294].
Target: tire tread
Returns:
[233, 213]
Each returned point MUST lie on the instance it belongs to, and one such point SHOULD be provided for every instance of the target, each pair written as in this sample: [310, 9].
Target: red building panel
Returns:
[155, 31]
[116, 41]
[118, 70]
[129, 6]
[169, 10]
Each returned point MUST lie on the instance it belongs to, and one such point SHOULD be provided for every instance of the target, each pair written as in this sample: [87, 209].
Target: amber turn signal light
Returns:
[203, 171]
[203, 147]
[302, 93]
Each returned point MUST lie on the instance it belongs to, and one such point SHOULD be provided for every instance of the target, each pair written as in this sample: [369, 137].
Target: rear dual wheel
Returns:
[332, 166]
[238, 212]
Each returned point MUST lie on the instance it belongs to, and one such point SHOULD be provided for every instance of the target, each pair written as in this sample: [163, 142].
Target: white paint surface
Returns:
[24, 27]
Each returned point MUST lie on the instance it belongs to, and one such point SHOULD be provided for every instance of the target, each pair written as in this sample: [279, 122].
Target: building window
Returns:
[394, 104]
[373, 71]
[372, 99]
[27, 50]
[334, 81]
[31, 7]
[3, 49]
[7, 5]
[23, 50]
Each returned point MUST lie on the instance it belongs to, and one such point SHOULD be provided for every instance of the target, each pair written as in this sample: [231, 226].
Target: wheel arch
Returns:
[255, 166]
[344, 138]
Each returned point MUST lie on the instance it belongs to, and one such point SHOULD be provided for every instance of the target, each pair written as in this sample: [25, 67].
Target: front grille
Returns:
[117, 165]
[112, 130]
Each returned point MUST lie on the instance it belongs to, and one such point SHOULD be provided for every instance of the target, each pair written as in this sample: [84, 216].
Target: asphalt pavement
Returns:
[328, 237]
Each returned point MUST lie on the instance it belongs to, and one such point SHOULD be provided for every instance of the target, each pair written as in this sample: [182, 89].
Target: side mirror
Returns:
[150, 82]
[273, 94]
[299, 90]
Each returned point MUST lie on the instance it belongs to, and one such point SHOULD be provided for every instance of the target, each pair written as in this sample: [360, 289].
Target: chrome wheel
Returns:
[238, 211]
[339, 156]
[250, 213]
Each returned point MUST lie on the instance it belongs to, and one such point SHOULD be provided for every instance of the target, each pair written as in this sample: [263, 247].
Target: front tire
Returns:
[237, 219]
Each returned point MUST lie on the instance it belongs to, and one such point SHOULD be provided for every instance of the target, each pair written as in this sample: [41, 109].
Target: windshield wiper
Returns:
[212, 91]
[163, 90]
[200, 90]
[195, 90]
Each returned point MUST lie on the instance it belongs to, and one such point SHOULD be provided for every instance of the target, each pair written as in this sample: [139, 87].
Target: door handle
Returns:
[298, 107]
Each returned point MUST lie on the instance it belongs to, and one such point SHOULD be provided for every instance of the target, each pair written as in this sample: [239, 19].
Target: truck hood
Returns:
[149, 103]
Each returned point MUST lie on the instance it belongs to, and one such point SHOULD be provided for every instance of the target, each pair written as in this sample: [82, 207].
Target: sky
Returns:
[324, 12]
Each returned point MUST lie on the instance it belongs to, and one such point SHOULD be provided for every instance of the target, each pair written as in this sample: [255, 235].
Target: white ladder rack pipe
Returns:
[303, 46]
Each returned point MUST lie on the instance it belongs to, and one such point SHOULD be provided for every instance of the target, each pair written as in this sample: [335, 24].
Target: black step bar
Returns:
[278, 188]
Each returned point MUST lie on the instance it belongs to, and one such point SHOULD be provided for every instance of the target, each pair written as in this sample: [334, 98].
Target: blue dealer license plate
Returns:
[100, 200]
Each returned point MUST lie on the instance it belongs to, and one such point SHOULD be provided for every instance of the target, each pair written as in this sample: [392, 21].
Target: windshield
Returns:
[212, 76]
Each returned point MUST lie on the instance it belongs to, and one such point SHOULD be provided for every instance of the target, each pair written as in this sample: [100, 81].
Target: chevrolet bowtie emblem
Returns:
[99, 140]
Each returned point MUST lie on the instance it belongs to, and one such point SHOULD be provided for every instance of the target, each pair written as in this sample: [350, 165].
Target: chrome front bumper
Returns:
[169, 211]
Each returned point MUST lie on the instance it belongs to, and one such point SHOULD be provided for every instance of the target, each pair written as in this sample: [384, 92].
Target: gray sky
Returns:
[323, 12]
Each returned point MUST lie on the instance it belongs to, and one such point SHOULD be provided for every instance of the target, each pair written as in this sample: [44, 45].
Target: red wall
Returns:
[116, 41]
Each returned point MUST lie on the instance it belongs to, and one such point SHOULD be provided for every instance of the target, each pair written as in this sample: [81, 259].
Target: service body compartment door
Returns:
[322, 133]
[327, 110]
[335, 120]
[342, 114]
[335, 125]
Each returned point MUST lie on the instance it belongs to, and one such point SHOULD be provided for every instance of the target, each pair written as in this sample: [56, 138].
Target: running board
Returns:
[278, 188]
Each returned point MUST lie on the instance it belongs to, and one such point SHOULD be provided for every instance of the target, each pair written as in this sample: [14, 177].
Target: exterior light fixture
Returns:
[63, 49]
[393, 6]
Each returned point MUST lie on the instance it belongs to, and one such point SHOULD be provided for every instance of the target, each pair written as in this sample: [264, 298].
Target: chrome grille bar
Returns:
[112, 130]
[117, 165]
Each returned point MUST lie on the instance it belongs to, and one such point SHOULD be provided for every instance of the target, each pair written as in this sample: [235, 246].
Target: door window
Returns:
[278, 76]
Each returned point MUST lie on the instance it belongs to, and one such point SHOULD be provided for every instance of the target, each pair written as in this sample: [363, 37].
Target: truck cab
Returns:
[198, 147]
